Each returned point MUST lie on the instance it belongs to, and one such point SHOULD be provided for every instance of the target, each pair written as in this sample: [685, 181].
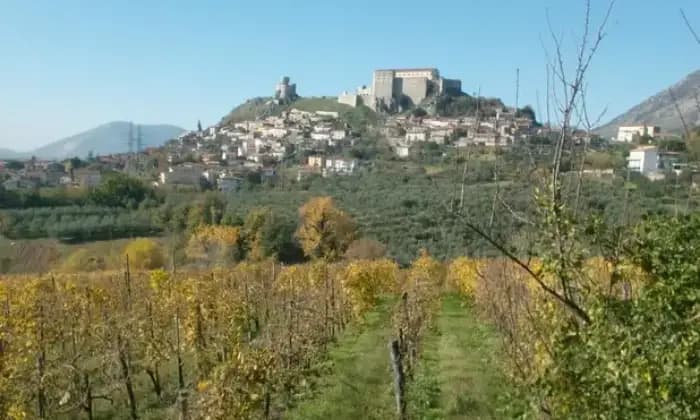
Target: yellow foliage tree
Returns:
[81, 260]
[253, 231]
[364, 281]
[144, 254]
[325, 231]
[215, 244]
[463, 274]
[426, 271]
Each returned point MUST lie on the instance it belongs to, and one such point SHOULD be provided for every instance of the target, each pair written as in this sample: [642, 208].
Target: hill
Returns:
[9, 154]
[660, 110]
[262, 107]
[106, 139]
[252, 109]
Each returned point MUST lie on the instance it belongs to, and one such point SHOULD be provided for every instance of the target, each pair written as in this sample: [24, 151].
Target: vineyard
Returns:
[242, 342]
[232, 333]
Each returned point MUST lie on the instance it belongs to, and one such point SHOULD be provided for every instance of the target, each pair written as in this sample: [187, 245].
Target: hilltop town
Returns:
[399, 110]
[403, 110]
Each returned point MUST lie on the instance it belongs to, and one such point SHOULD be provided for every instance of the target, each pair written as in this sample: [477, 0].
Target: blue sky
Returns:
[66, 66]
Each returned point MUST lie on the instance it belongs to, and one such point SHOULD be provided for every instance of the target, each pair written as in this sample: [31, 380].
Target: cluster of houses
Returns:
[648, 160]
[225, 153]
[653, 163]
[36, 173]
[503, 129]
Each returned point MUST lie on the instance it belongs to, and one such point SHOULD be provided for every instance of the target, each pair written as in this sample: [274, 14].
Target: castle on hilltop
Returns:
[284, 91]
[398, 89]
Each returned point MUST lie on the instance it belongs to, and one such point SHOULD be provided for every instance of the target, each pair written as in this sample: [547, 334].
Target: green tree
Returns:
[526, 112]
[268, 234]
[14, 165]
[119, 190]
[638, 357]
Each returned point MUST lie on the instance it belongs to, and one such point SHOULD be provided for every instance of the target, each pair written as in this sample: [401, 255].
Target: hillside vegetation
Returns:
[263, 107]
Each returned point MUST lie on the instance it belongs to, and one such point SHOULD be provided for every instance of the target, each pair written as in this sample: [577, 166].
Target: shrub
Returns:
[144, 254]
[82, 260]
[365, 249]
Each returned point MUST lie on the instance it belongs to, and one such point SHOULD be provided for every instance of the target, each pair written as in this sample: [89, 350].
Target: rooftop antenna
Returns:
[517, 89]
[139, 139]
[549, 121]
[130, 140]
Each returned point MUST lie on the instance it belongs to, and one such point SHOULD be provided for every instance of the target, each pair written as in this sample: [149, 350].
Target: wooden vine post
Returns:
[399, 379]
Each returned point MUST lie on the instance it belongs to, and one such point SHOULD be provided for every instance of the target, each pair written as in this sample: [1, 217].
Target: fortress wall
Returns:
[349, 99]
[383, 84]
[416, 89]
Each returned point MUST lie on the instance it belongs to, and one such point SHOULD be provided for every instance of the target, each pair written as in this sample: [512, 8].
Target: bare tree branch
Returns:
[567, 303]
[515, 214]
[686, 129]
[572, 88]
[690, 27]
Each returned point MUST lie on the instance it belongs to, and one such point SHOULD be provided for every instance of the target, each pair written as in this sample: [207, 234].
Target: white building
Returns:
[440, 136]
[339, 166]
[339, 134]
[277, 133]
[321, 136]
[402, 150]
[416, 134]
[644, 160]
[627, 134]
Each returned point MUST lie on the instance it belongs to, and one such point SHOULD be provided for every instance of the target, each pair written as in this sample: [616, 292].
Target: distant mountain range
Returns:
[8, 154]
[659, 110]
[105, 139]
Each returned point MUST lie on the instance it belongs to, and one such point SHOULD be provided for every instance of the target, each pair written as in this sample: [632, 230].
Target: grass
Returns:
[261, 107]
[460, 375]
[313, 104]
[43, 255]
[359, 384]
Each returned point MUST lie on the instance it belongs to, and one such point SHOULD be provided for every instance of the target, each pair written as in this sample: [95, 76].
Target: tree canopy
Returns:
[324, 230]
[119, 190]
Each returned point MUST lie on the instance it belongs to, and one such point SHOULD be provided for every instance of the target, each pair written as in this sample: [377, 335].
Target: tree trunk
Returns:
[87, 404]
[180, 370]
[155, 380]
[123, 356]
[41, 366]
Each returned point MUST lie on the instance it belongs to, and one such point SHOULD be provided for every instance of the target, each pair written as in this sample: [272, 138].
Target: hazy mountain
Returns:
[659, 109]
[106, 139]
[102, 140]
[9, 154]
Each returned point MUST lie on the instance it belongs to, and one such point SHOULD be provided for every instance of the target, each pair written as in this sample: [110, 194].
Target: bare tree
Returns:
[571, 87]
[569, 98]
